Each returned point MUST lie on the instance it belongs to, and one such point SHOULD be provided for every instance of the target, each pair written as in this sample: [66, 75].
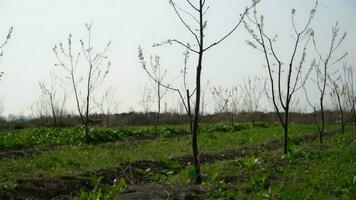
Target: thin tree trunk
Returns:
[286, 126]
[157, 117]
[195, 126]
[197, 100]
[86, 128]
[321, 131]
[189, 112]
[158, 107]
[53, 111]
[354, 116]
[340, 109]
[342, 123]
[86, 123]
[232, 118]
[285, 149]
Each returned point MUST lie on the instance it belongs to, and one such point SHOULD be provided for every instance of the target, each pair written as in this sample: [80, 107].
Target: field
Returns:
[238, 161]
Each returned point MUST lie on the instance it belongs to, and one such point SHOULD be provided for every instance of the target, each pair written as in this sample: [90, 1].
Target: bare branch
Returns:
[194, 7]
[234, 28]
[182, 20]
[8, 37]
[170, 41]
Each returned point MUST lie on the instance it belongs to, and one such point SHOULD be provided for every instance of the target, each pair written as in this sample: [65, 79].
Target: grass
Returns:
[308, 172]
[76, 159]
[40, 137]
[326, 172]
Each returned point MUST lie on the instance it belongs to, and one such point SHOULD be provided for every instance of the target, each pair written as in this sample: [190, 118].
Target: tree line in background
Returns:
[327, 73]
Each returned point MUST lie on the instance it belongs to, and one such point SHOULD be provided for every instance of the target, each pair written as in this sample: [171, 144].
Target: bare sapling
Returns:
[159, 74]
[235, 101]
[253, 90]
[322, 70]
[285, 79]
[56, 106]
[40, 109]
[184, 93]
[197, 13]
[338, 91]
[226, 101]
[221, 97]
[185, 96]
[342, 95]
[96, 67]
[350, 94]
[147, 98]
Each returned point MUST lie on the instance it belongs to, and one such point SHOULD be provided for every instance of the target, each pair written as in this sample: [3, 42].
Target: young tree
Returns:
[236, 98]
[285, 80]
[50, 93]
[185, 94]
[197, 31]
[342, 95]
[185, 100]
[3, 44]
[322, 71]
[159, 74]
[253, 91]
[97, 66]
[146, 98]
[226, 100]
[40, 109]
[54, 104]
[350, 93]
[222, 97]
[338, 97]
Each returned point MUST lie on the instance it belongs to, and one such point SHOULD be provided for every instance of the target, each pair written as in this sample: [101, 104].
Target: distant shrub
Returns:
[98, 135]
[174, 131]
[262, 125]
[223, 127]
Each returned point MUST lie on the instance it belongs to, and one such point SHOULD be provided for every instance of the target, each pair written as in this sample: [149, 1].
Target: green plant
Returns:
[217, 188]
[249, 162]
[260, 182]
[191, 174]
[103, 192]
[8, 186]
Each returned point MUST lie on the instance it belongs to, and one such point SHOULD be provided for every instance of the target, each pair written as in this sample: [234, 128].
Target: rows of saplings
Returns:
[286, 78]
[146, 119]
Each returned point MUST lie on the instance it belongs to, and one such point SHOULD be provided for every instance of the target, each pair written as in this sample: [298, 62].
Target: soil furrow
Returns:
[136, 173]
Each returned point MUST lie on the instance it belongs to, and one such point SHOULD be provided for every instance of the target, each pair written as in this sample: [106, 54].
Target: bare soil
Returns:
[14, 153]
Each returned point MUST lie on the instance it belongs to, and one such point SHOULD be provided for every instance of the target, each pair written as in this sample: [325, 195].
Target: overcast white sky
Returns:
[40, 24]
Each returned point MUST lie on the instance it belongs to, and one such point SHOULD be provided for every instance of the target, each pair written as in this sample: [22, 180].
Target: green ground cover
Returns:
[309, 171]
